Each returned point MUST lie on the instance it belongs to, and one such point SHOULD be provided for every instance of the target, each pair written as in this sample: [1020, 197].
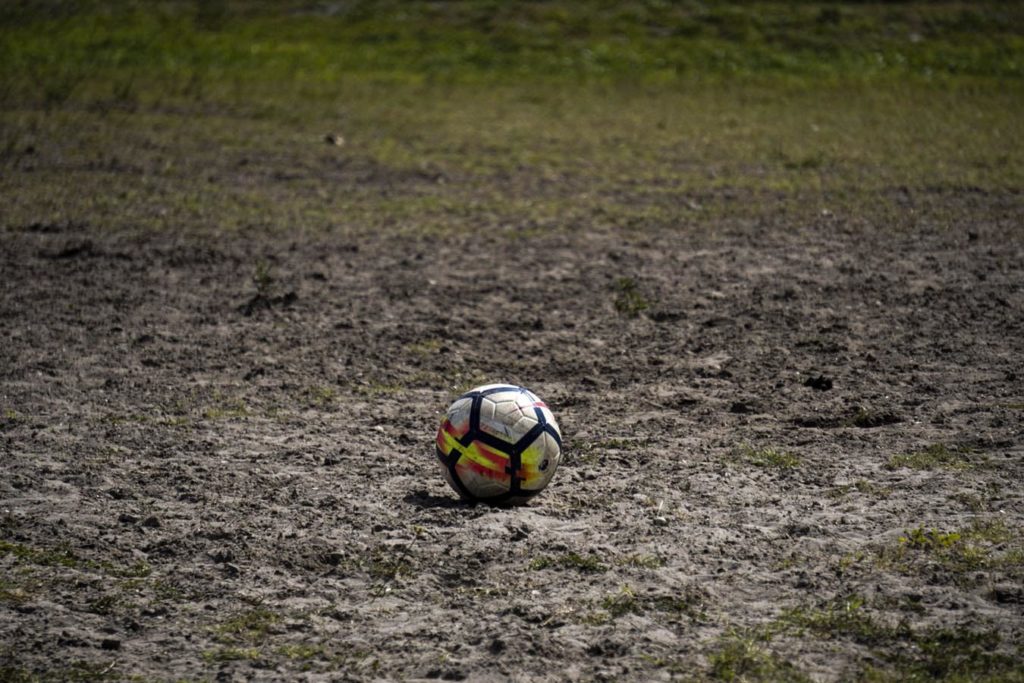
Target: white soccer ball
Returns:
[499, 444]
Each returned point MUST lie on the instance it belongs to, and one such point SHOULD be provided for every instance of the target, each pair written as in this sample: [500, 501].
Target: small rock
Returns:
[152, 522]
[1008, 594]
[221, 555]
[334, 139]
[821, 383]
[660, 521]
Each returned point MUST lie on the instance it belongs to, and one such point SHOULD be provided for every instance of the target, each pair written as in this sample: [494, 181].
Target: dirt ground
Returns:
[218, 453]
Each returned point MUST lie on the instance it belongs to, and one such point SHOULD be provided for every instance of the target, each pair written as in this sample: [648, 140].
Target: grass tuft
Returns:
[252, 625]
[933, 457]
[941, 653]
[844, 618]
[768, 457]
[628, 299]
[688, 602]
[59, 557]
[744, 656]
[986, 544]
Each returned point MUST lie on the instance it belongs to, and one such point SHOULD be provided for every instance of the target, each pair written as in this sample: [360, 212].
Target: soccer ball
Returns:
[499, 444]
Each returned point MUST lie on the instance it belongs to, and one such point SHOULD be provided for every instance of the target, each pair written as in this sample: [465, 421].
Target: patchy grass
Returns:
[641, 561]
[14, 592]
[688, 602]
[911, 654]
[767, 457]
[320, 397]
[745, 656]
[252, 626]
[936, 456]
[231, 654]
[972, 502]
[389, 567]
[628, 298]
[71, 672]
[47, 557]
[9, 419]
[464, 117]
[929, 539]
[300, 651]
[844, 618]
[863, 486]
[263, 279]
[987, 544]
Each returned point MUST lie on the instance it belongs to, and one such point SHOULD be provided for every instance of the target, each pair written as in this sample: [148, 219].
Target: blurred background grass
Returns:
[508, 116]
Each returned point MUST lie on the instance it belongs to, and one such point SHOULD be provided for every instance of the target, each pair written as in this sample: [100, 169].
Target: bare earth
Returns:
[206, 480]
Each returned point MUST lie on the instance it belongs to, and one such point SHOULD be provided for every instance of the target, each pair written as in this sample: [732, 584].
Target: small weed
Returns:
[928, 539]
[623, 602]
[959, 552]
[8, 420]
[742, 656]
[106, 604]
[387, 566]
[871, 489]
[250, 626]
[138, 570]
[12, 594]
[641, 561]
[844, 618]
[688, 602]
[866, 418]
[299, 651]
[263, 279]
[788, 562]
[168, 591]
[962, 653]
[847, 561]
[935, 456]
[594, 618]
[989, 531]
[231, 654]
[61, 557]
[929, 654]
[588, 564]
[628, 299]
[226, 409]
[861, 486]
[972, 502]
[320, 397]
[771, 458]
[425, 348]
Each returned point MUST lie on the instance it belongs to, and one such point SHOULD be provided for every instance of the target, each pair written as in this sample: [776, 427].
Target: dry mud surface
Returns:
[208, 480]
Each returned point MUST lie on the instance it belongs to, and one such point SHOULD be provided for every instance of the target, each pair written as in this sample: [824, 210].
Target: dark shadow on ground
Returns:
[425, 500]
